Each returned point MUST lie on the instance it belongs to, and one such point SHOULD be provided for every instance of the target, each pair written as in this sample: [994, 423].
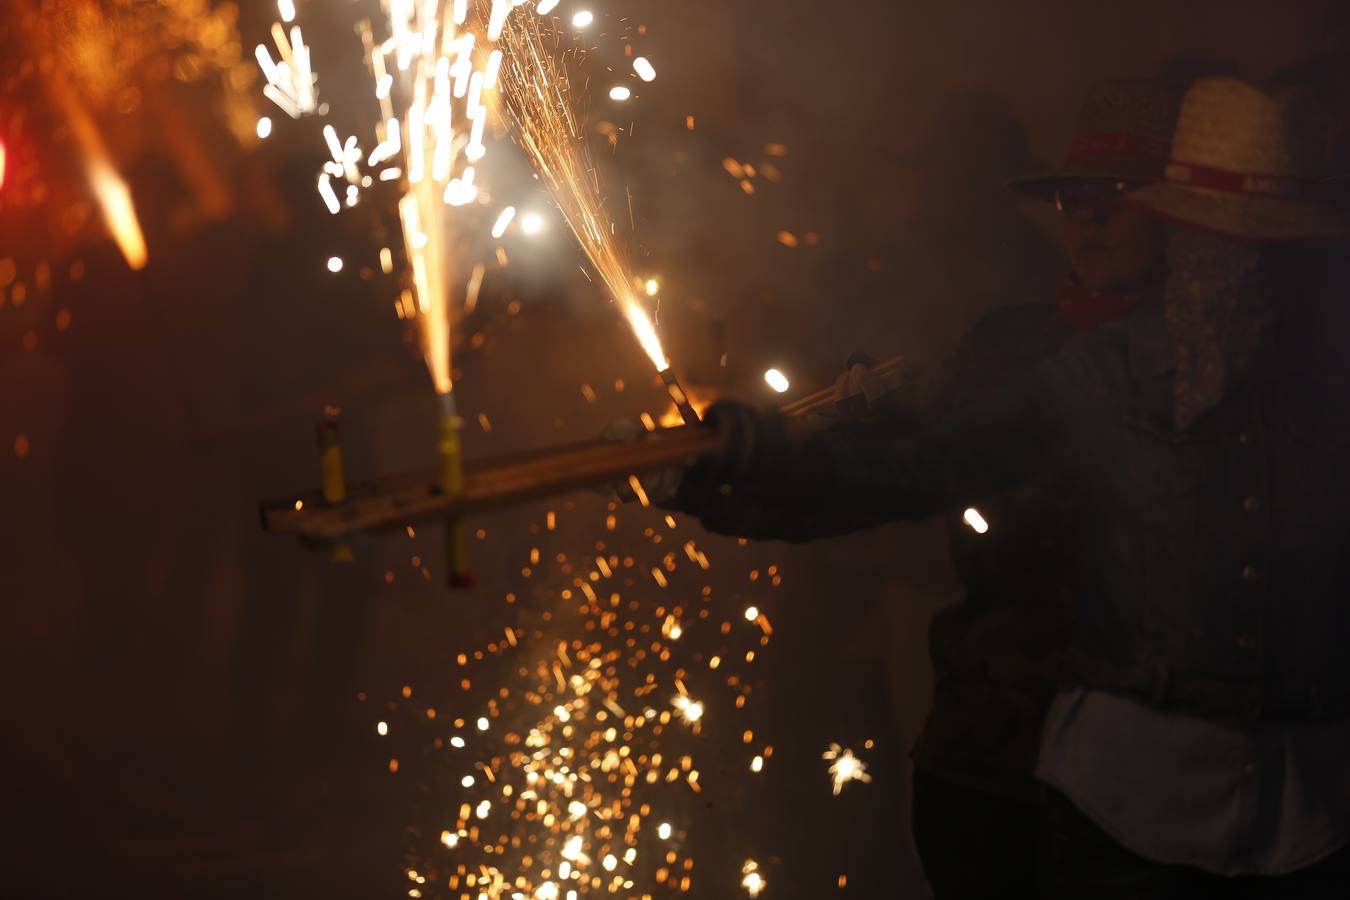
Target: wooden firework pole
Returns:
[459, 488]
[451, 483]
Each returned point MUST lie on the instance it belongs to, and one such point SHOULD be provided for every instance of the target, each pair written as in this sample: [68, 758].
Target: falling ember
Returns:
[752, 881]
[620, 93]
[976, 521]
[777, 380]
[845, 767]
[335, 264]
[582, 19]
[264, 128]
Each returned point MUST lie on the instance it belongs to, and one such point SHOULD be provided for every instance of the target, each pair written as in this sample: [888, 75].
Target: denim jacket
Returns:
[1214, 570]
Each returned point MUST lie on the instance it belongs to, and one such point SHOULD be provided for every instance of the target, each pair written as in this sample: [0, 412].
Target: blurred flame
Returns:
[646, 334]
[119, 213]
[699, 401]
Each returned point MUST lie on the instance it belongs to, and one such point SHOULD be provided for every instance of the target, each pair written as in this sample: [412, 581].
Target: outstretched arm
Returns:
[769, 483]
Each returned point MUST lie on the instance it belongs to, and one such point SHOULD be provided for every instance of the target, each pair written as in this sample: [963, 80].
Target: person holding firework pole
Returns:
[1200, 743]
[997, 655]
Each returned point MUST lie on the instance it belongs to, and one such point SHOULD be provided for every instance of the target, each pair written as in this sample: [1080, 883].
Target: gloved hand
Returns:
[660, 486]
[861, 394]
[750, 440]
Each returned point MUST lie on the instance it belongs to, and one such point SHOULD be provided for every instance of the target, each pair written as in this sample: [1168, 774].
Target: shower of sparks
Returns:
[539, 104]
[845, 767]
[577, 781]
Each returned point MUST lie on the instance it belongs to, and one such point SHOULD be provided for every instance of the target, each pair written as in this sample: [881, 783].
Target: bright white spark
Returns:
[845, 767]
[663, 831]
[620, 93]
[753, 882]
[503, 221]
[329, 196]
[582, 19]
[290, 82]
[652, 287]
[546, 6]
[382, 728]
[482, 723]
[466, 781]
[690, 710]
[777, 380]
[532, 224]
[976, 521]
[335, 264]
[286, 8]
[644, 69]
[264, 128]
[751, 613]
[571, 850]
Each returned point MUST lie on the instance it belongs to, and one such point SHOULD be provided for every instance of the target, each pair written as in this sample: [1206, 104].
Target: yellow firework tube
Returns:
[452, 482]
[331, 477]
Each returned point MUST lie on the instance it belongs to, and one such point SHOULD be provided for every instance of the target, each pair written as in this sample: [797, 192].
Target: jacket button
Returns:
[1251, 504]
[1251, 573]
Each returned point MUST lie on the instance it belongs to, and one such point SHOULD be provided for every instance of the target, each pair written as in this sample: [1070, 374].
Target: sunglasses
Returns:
[1093, 193]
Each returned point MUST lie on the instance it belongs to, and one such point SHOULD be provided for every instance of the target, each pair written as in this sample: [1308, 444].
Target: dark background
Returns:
[181, 690]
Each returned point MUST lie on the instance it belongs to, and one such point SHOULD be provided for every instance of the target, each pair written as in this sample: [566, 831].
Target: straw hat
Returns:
[1247, 163]
[1122, 133]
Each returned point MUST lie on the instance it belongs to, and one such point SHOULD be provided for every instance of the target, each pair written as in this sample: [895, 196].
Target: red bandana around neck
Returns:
[1087, 310]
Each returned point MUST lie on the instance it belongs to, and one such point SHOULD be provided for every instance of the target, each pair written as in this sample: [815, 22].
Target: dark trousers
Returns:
[975, 845]
[1082, 862]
